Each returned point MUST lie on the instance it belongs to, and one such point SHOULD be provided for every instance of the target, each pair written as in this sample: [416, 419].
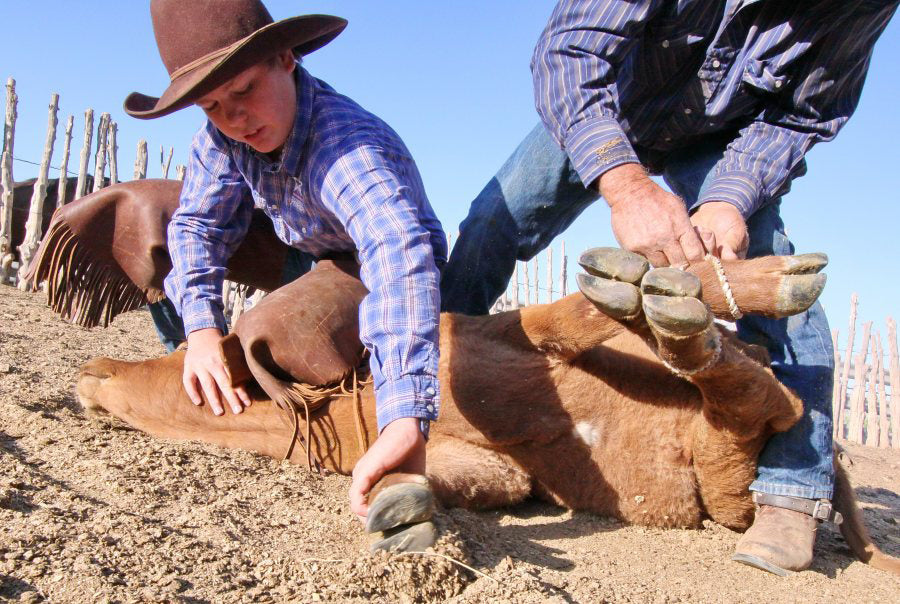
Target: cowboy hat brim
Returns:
[303, 34]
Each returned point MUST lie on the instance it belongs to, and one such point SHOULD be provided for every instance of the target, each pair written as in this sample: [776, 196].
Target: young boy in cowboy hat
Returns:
[331, 176]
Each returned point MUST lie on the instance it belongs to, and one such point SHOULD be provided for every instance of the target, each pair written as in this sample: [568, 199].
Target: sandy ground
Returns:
[94, 513]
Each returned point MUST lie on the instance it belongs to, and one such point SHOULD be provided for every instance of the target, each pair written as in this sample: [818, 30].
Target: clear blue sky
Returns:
[453, 79]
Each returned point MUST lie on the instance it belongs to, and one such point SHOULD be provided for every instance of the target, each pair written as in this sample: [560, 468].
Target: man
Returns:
[332, 177]
[723, 99]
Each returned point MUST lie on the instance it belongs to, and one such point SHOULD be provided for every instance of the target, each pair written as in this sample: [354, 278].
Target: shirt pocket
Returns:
[762, 78]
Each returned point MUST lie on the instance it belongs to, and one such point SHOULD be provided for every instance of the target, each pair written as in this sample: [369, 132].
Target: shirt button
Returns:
[429, 391]
[668, 139]
[687, 110]
[665, 43]
[303, 230]
[777, 83]
[716, 64]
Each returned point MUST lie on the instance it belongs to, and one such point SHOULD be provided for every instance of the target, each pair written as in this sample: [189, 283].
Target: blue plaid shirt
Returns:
[345, 182]
[620, 81]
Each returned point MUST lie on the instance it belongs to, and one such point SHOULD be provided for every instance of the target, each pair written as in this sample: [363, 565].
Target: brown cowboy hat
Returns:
[204, 43]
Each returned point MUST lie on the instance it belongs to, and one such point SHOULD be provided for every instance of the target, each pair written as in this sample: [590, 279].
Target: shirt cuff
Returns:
[739, 188]
[596, 146]
[201, 314]
[411, 396]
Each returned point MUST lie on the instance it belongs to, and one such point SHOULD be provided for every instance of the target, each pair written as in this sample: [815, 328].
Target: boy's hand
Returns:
[203, 366]
[400, 447]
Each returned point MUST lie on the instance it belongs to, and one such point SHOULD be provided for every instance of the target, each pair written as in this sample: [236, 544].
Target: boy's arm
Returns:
[377, 195]
[211, 220]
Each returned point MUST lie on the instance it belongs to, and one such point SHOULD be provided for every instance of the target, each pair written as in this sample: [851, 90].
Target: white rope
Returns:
[717, 353]
[726, 287]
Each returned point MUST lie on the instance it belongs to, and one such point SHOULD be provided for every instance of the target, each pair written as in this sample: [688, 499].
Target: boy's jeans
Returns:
[536, 195]
[170, 327]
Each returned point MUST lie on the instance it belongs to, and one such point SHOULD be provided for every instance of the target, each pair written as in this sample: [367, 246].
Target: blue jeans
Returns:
[170, 327]
[537, 194]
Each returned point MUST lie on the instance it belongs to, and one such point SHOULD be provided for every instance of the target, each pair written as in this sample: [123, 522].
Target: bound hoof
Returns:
[614, 263]
[406, 538]
[611, 282]
[399, 499]
[93, 374]
[798, 292]
[671, 302]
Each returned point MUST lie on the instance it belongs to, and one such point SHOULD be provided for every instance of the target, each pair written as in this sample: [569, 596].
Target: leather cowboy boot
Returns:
[783, 533]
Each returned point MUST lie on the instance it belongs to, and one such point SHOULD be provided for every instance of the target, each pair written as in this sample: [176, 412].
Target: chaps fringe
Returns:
[81, 287]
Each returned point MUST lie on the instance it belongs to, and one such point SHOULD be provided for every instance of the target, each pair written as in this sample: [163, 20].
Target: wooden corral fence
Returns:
[865, 408]
[16, 250]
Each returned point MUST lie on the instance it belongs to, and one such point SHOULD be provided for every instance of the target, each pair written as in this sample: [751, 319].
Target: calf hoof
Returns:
[798, 292]
[399, 499]
[614, 263]
[610, 284]
[406, 538]
[671, 302]
[93, 374]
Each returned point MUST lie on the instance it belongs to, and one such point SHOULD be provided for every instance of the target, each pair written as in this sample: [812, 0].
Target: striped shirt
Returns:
[624, 81]
[345, 183]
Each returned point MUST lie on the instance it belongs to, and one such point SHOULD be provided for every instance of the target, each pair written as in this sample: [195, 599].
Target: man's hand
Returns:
[648, 220]
[727, 230]
[400, 447]
[203, 366]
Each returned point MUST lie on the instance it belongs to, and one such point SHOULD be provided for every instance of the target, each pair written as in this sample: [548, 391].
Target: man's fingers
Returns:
[675, 255]
[691, 245]
[708, 238]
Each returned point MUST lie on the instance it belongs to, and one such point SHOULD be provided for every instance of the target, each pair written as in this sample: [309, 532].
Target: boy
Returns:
[331, 176]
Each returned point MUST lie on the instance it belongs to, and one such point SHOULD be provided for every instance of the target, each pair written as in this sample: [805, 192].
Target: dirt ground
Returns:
[94, 513]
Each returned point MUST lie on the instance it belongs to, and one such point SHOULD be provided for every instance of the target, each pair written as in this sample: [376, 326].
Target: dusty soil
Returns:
[97, 513]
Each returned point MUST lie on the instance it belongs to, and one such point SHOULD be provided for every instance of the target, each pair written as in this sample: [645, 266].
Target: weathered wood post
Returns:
[895, 384]
[113, 154]
[179, 171]
[140, 160]
[165, 163]
[870, 417]
[881, 391]
[100, 158]
[537, 281]
[836, 402]
[845, 373]
[36, 208]
[81, 187]
[64, 165]
[860, 372]
[515, 286]
[550, 274]
[527, 283]
[7, 183]
[563, 285]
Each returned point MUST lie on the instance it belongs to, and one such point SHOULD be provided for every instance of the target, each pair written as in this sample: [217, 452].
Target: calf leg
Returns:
[469, 476]
[743, 403]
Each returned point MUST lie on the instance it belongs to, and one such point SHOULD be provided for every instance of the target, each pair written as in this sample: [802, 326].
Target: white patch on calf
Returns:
[588, 433]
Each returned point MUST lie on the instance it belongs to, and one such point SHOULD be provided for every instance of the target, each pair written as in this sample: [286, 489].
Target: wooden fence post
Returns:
[7, 183]
[563, 285]
[895, 383]
[179, 171]
[113, 154]
[881, 391]
[845, 373]
[64, 165]
[140, 160]
[100, 158]
[537, 281]
[550, 274]
[515, 286]
[836, 402]
[36, 207]
[859, 395]
[165, 163]
[527, 284]
[81, 187]
[870, 417]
